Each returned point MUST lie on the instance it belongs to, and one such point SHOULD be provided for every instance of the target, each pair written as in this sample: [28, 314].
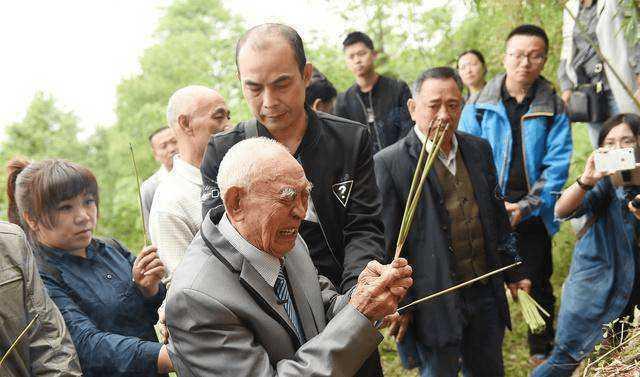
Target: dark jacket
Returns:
[110, 321]
[389, 97]
[428, 246]
[333, 151]
[46, 350]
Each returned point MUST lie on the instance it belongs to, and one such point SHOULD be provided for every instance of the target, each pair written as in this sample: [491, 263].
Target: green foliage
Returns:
[195, 45]
[45, 132]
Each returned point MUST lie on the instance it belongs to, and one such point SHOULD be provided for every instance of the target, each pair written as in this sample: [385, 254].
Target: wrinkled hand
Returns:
[399, 325]
[148, 271]
[381, 287]
[515, 215]
[524, 284]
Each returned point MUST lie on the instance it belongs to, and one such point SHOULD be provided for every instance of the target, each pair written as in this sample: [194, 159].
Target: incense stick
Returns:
[415, 192]
[22, 334]
[403, 309]
[135, 170]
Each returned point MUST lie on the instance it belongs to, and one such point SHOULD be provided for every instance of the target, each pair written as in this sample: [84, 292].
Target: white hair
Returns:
[245, 160]
[181, 100]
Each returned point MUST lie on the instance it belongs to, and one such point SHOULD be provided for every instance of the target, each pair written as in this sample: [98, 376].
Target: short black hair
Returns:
[437, 73]
[530, 30]
[475, 52]
[319, 88]
[357, 37]
[157, 131]
[632, 120]
[289, 34]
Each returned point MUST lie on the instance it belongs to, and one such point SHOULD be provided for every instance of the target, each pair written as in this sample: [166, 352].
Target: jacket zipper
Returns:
[366, 117]
[324, 235]
[524, 155]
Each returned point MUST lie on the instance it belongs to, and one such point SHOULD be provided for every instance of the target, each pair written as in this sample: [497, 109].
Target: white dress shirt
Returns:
[449, 161]
[176, 213]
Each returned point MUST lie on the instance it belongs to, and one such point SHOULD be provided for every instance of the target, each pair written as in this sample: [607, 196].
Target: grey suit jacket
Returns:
[224, 320]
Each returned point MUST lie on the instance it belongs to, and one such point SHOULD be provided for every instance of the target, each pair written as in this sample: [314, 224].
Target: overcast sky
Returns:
[79, 50]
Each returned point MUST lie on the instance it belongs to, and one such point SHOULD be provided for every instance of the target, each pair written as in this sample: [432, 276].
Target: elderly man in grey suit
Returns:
[247, 301]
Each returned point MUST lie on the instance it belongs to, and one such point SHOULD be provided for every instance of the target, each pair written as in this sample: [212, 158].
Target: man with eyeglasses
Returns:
[524, 120]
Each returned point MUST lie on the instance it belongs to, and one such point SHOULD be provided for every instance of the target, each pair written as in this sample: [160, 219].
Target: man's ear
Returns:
[307, 72]
[183, 124]
[411, 105]
[233, 203]
[315, 104]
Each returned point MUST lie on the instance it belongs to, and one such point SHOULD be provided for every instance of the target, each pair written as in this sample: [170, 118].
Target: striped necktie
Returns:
[282, 293]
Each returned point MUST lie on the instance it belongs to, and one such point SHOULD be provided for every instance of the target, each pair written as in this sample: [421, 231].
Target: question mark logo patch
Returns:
[342, 191]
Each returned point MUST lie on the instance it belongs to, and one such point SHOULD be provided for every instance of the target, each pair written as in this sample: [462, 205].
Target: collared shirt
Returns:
[517, 182]
[176, 213]
[265, 264]
[110, 321]
[449, 161]
[148, 190]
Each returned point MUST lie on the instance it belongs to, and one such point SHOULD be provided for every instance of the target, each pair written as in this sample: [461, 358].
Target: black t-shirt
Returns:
[517, 186]
[367, 101]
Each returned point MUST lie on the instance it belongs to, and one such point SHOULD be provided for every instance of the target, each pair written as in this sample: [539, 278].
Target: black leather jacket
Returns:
[336, 156]
[389, 97]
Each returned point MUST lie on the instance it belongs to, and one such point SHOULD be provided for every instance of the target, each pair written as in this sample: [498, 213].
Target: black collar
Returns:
[528, 98]
[310, 136]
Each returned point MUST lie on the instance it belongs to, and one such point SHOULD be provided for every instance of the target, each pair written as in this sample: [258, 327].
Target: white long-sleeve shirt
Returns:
[176, 213]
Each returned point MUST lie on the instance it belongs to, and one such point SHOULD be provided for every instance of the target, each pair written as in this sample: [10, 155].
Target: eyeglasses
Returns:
[535, 58]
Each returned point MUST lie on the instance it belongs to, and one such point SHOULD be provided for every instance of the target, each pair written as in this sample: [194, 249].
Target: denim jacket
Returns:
[602, 271]
[110, 321]
[546, 144]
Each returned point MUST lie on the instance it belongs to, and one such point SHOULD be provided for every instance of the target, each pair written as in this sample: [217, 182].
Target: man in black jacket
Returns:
[460, 231]
[342, 227]
[377, 101]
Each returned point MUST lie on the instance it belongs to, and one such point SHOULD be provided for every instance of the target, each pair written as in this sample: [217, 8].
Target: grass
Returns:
[515, 351]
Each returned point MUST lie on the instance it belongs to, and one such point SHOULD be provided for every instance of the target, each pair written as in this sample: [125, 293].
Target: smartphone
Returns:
[613, 160]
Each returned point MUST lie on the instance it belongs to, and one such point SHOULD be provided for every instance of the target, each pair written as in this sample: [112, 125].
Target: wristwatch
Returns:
[583, 186]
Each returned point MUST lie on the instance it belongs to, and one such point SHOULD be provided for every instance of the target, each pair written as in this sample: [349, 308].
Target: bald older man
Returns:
[246, 299]
[194, 113]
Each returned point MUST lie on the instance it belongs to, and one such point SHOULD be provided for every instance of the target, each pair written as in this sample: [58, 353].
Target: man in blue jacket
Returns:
[523, 119]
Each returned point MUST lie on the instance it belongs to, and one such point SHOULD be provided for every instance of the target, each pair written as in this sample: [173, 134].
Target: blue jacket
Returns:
[110, 322]
[602, 271]
[546, 144]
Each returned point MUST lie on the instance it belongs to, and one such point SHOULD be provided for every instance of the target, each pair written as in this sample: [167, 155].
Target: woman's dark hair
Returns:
[37, 188]
[478, 55]
[632, 120]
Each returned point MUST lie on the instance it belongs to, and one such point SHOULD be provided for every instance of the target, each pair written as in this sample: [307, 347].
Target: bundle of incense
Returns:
[135, 171]
[439, 129]
[531, 312]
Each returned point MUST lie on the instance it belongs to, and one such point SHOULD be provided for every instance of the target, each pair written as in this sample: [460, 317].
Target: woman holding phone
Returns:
[604, 278]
